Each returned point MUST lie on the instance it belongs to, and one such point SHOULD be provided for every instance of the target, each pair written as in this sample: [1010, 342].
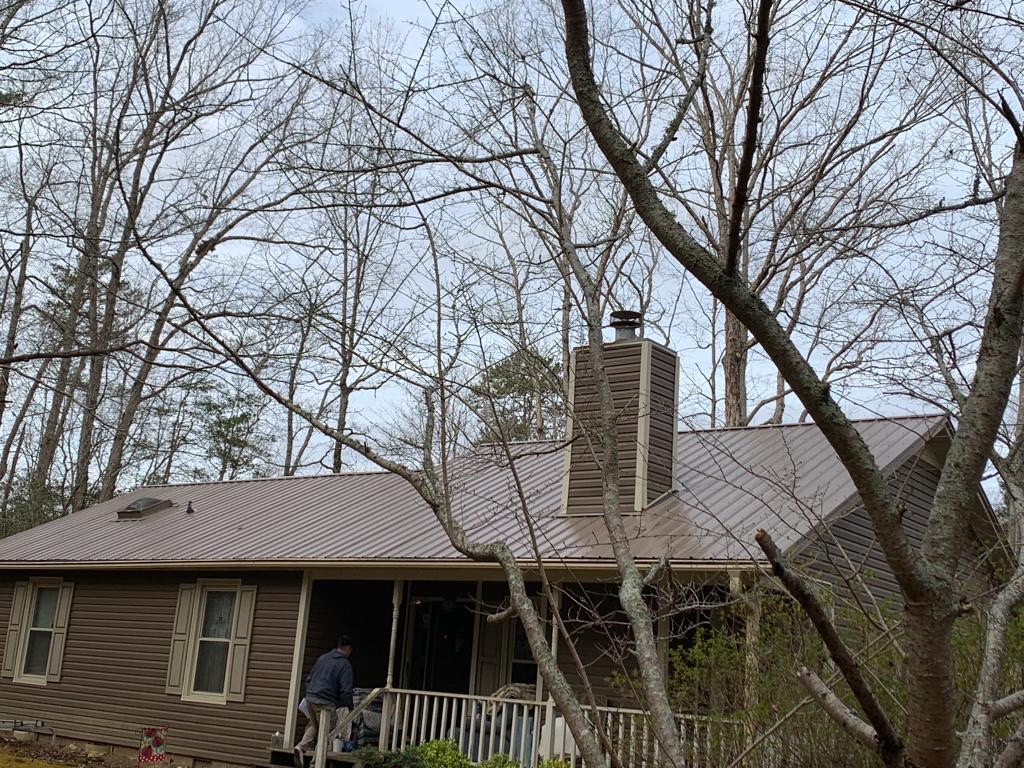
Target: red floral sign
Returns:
[152, 746]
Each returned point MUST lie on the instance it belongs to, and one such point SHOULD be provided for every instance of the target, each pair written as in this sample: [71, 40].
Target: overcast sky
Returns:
[400, 10]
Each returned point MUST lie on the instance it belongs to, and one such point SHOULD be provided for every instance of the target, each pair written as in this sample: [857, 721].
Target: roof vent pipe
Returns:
[627, 324]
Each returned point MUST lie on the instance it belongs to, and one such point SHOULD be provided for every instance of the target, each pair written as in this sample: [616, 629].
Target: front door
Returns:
[439, 646]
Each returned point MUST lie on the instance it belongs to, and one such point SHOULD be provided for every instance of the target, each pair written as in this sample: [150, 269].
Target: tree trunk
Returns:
[734, 367]
[50, 438]
[15, 312]
[555, 682]
[340, 424]
[90, 403]
[631, 588]
[564, 332]
[15, 433]
[119, 441]
[931, 714]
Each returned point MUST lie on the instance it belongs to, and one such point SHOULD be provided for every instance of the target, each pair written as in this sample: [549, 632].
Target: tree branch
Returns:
[736, 295]
[502, 615]
[844, 717]
[655, 571]
[1013, 753]
[64, 353]
[1007, 705]
[755, 99]
[888, 743]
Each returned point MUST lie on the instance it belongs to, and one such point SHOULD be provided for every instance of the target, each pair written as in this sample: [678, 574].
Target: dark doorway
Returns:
[360, 609]
[439, 639]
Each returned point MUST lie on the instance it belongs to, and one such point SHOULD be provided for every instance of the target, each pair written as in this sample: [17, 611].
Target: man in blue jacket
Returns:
[329, 687]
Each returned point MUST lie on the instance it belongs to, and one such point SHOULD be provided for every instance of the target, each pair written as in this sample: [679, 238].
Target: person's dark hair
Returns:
[344, 640]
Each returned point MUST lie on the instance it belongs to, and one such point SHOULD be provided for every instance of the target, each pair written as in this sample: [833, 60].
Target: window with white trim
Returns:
[213, 642]
[36, 631]
[210, 641]
[39, 633]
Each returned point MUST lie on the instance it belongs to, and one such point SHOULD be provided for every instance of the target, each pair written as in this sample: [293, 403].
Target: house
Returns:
[201, 607]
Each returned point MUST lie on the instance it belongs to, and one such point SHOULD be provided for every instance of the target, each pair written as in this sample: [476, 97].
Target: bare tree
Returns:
[928, 579]
[177, 137]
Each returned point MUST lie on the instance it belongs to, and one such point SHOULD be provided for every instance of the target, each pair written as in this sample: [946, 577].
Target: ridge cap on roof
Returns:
[352, 473]
[794, 424]
[521, 443]
[535, 441]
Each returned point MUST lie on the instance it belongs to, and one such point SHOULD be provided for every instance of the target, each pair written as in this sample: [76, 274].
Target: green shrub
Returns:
[443, 753]
[499, 760]
[708, 677]
[552, 762]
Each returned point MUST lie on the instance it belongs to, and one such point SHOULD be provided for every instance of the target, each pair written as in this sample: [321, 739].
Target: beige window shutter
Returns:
[241, 638]
[14, 628]
[60, 631]
[176, 662]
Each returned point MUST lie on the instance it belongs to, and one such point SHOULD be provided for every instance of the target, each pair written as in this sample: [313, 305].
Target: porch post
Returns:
[396, 608]
[323, 735]
[548, 750]
[478, 620]
[741, 587]
[385, 717]
[298, 652]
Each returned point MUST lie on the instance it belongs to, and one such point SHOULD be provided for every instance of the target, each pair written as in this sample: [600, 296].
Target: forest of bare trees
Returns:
[243, 238]
[277, 178]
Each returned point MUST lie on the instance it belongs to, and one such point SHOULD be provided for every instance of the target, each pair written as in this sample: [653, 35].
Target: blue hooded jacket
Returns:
[330, 681]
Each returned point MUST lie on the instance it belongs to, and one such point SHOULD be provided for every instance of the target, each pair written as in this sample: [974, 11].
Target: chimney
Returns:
[643, 378]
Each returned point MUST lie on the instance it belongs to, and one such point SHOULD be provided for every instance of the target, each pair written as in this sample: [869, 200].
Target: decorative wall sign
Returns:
[153, 745]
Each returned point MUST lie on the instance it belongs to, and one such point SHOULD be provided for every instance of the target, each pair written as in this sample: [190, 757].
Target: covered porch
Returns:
[428, 665]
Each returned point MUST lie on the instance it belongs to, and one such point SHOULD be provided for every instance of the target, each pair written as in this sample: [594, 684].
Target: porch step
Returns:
[282, 758]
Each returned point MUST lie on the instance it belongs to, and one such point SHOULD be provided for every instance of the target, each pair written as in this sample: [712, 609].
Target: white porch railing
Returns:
[707, 742]
[529, 731]
[326, 735]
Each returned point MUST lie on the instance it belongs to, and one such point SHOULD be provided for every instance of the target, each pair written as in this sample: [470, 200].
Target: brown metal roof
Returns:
[732, 481]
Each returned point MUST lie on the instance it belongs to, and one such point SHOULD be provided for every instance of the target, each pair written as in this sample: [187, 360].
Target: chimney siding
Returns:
[643, 379]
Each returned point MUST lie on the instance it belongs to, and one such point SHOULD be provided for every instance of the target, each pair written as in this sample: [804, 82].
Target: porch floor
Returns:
[282, 758]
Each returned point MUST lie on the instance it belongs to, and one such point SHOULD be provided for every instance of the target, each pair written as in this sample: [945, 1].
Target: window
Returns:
[210, 641]
[524, 668]
[214, 642]
[36, 631]
[40, 631]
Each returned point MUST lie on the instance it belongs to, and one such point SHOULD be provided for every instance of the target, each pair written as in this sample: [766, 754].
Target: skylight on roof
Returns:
[142, 506]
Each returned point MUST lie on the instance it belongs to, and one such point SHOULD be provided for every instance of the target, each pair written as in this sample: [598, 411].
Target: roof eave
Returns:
[592, 564]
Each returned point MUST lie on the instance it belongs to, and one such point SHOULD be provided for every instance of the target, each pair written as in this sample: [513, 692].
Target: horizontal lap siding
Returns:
[602, 670]
[115, 667]
[632, 382]
[662, 433]
[850, 550]
[623, 367]
[601, 637]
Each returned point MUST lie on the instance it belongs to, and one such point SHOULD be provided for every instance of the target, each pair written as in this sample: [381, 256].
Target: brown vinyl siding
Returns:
[623, 366]
[663, 409]
[630, 384]
[602, 639]
[848, 553]
[115, 667]
[602, 669]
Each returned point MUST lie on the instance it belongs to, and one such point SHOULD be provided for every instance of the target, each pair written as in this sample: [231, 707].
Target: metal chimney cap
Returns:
[626, 323]
[626, 318]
